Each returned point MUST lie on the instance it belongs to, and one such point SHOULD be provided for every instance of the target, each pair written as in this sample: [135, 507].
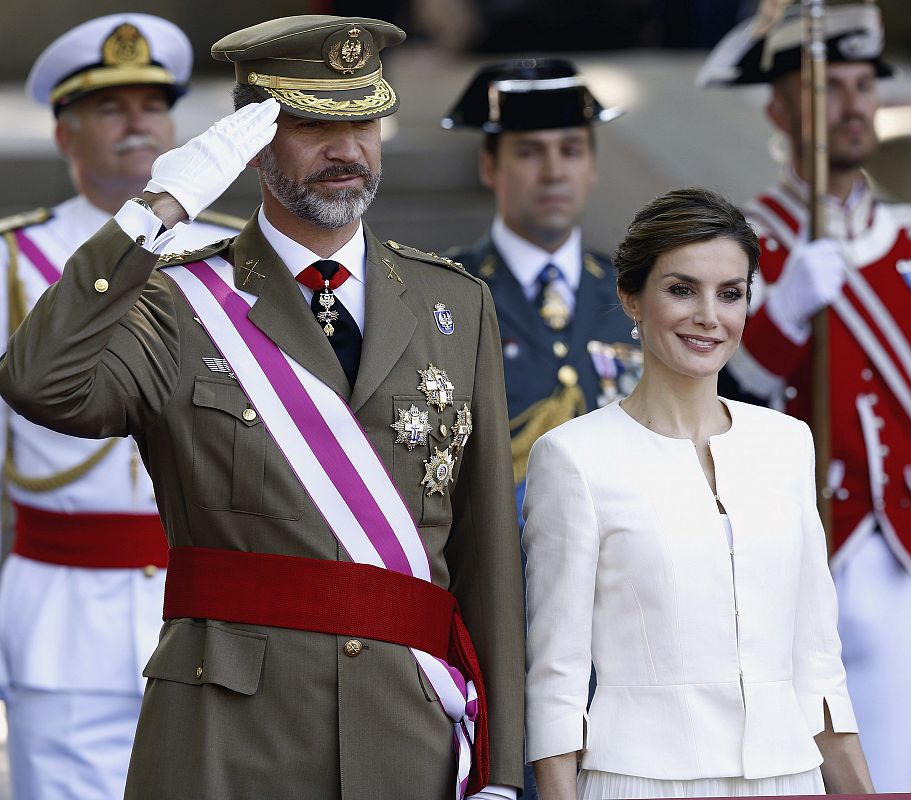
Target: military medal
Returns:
[412, 427]
[462, 428]
[435, 384]
[554, 310]
[443, 316]
[438, 471]
[327, 316]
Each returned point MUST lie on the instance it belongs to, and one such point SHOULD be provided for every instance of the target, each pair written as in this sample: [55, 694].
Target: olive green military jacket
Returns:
[244, 711]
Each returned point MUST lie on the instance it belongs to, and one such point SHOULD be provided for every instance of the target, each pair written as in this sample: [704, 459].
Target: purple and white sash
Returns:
[333, 459]
[50, 272]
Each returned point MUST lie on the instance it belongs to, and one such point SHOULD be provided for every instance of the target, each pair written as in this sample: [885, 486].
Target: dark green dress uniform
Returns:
[232, 710]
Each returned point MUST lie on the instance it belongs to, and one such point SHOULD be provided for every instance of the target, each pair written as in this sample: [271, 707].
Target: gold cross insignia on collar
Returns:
[250, 266]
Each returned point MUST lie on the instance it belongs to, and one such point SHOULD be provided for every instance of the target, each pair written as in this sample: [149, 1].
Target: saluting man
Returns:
[859, 276]
[323, 418]
[81, 594]
[567, 348]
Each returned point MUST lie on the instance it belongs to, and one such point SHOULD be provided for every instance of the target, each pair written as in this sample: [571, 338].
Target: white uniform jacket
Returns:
[66, 628]
[869, 473]
[710, 661]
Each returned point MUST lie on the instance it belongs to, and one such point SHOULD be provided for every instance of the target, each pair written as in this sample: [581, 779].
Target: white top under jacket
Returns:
[73, 628]
[628, 567]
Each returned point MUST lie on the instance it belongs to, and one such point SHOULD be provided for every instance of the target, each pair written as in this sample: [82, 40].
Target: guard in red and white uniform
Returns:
[81, 594]
[861, 275]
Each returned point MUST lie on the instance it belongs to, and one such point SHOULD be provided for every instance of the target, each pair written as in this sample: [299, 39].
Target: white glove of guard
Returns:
[810, 281]
[197, 173]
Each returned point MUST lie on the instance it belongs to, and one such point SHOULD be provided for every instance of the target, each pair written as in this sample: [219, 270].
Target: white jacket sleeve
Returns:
[561, 540]
[819, 676]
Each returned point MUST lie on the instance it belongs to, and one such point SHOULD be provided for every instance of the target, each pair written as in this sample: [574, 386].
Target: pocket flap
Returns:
[225, 396]
[209, 652]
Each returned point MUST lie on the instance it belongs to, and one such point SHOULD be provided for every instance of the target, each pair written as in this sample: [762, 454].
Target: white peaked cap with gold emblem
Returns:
[114, 50]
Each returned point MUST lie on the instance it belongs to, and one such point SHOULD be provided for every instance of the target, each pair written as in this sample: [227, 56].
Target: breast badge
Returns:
[462, 428]
[438, 469]
[443, 316]
[412, 427]
[619, 367]
[435, 384]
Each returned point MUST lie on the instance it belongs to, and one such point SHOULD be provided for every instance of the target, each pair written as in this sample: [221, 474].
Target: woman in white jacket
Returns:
[673, 540]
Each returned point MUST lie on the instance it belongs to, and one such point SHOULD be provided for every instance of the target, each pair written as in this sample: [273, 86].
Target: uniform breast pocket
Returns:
[425, 463]
[235, 465]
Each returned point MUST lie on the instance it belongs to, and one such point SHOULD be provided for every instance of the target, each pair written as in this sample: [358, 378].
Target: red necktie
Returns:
[313, 276]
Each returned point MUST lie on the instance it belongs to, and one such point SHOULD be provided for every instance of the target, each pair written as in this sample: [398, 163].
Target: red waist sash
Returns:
[107, 541]
[335, 597]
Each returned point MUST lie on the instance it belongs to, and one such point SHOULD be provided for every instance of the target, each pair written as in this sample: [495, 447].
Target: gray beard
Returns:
[308, 204]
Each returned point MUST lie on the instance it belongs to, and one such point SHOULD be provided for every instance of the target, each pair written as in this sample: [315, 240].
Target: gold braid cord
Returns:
[59, 479]
[562, 406]
[17, 312]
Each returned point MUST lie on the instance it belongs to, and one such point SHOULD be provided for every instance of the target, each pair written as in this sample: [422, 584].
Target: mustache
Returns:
[137, 141]
[340, 171]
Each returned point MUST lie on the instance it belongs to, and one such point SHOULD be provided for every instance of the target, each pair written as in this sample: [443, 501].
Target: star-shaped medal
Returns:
[462, 429]
[436, 385]
[438, 471]
[412, 427]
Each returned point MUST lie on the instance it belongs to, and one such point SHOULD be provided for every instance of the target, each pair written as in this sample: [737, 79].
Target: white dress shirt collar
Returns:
[526, 260]
[352, 255]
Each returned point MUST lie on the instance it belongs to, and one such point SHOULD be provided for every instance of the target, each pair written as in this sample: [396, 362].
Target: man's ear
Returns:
[62, 136]
[487, 167]
[777, 111]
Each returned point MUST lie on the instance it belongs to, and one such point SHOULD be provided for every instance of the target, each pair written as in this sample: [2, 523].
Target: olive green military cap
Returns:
[319, 67]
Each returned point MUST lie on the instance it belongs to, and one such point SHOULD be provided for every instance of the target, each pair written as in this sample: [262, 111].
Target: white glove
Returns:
[810, 281]
[197, 173]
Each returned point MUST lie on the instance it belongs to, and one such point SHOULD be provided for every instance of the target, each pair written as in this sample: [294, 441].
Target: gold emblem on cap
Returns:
[349, 56]
[126, 45]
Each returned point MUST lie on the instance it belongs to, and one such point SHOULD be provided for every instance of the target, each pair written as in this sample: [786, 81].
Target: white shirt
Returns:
[352, 256]
[526, 260]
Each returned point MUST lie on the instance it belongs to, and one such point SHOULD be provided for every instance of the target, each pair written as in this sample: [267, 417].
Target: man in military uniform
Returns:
[81, 594]
[566, 345]
[324, 421]
[858, 277]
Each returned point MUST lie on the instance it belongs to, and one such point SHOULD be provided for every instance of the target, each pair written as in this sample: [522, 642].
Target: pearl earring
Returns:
[634, 333]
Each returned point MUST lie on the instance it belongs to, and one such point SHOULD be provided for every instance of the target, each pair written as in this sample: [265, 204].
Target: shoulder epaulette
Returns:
[419, 255]
[24, 219]
[189, 256]
[595, 263]
[219, 218]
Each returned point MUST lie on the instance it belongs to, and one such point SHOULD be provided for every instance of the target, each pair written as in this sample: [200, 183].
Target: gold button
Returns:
[353, 648]
[149, 570]
[249, 414]
[101, 286]
[567, 375]
[444, 431]
[199, 672]
[252, 78]
[560, 349]
[140, 240]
